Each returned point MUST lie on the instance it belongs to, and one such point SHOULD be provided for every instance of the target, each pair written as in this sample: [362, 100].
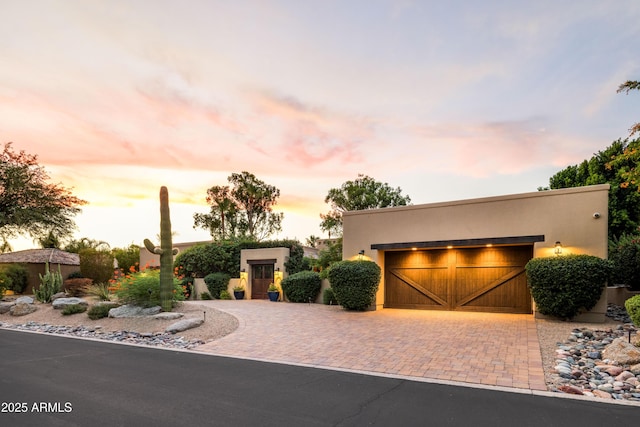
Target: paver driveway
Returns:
[480, 348]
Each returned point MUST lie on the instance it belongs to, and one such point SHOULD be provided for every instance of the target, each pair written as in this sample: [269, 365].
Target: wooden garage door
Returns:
[470, 279]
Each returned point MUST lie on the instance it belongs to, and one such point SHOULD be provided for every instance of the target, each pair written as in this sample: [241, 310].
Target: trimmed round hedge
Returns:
[355, 283]
[564, 286]
[633, 308]
[302, 287]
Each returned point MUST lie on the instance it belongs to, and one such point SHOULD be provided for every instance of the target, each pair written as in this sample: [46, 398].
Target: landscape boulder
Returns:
[133, 311]
[622, 352]
[6, 306]
[58, 295]
[26, 300]
[168, 316]
[22, 309]
[183, 325]
[61, 303]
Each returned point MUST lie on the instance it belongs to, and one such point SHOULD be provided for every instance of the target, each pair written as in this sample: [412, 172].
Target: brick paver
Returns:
[480, 348]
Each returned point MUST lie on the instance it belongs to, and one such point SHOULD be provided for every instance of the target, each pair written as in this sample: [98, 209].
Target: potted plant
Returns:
[238, 292]
[273, 292]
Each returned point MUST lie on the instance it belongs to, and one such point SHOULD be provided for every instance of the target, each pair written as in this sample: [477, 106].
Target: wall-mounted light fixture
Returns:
[558, 248]
[361, 255]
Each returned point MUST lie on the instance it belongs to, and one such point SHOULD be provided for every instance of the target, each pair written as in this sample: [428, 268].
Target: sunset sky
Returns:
[447, 100]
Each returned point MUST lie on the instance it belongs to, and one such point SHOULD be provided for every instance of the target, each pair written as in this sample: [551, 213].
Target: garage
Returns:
[490, 279]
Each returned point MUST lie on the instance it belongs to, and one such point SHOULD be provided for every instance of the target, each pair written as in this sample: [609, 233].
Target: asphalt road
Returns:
[58, 381]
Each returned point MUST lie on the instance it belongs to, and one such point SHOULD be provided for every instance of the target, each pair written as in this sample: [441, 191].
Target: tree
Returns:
[128, 258]
[28, 203]
[312, 241]
[624, 199]
[363, 193]
[626, 87]
[222, 220]
[76, 245]
[244, 211]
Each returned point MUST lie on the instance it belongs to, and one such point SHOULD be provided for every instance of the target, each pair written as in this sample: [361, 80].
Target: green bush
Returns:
[205, 296]
[225, 294]
[50, 284]
[5, 283]
[75, 275]
[74, 309]
[18, 275]
[633, 309]
[100, 311]
[143, 289]
[624, 253]
[564, 286]
[100, 291]
[328, 297]
[96, 265]
[128, 258]
[216, 283]
[355, 283]
[301, 287]
[77, 287]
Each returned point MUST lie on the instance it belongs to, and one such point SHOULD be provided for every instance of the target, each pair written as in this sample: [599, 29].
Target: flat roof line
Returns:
[512, 240]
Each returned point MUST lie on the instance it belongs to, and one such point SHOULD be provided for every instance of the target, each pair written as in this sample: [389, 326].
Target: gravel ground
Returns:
[218, 324]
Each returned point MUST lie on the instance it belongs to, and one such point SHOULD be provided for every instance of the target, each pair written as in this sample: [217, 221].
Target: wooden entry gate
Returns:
[470, 279]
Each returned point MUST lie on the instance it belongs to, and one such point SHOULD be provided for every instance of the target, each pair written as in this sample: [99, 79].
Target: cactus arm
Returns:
[152, 248]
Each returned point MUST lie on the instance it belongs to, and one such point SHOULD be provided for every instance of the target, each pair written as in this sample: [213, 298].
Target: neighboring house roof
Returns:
[40, 256]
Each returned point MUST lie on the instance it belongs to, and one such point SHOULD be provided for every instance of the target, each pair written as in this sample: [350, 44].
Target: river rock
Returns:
[183, 325]
[26, 300]
[168, 316]
[622, 352]
[133, 311]
[61, 303]
[22, 309]
[58, 295]
[602, 394]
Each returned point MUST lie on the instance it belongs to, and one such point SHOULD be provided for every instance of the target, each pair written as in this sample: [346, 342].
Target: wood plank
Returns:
[418, 287]
[498, 282]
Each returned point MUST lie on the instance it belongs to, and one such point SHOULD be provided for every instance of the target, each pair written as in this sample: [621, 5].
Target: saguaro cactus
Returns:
[166, 252]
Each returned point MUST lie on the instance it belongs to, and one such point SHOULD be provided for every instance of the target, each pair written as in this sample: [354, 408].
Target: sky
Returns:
[446, 100]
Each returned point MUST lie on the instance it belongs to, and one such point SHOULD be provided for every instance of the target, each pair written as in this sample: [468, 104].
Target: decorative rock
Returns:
[613, 370]
[26, 300]
[602, 394]
[6, 306]
[61, 303]
[168, 316]
[22, 309]
[570, 389]
[622, 352]
[58, 295]
[133, 311]
[183, 325]
[635, 369]
[624, 376]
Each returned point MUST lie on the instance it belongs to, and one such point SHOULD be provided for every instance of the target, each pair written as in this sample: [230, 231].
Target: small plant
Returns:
[328, 297]
[205, 296]
[355, 283]
[18, 275]
[100, 311]
[76, 287]
[273, 288]
[225, 295]
[100, 291]
[50, 284]
[302, 287]
[216, 283]
[633, 309]
[74, 309]
[238, 288]
[143, 289]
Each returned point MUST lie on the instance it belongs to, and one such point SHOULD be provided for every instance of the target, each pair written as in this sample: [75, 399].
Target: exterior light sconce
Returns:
[558, 248]
[361, 255]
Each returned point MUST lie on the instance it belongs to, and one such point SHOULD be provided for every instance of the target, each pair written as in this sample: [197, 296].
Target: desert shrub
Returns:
[225, 294]
[355, 283]
[5, 282]
[564, 286]
[100, 291]
[216, 283]
[100, 311]
[74, 309]
[143, 289]
[50, 284]
[624, 253]
[18, 275]
[96, 265]
[301, 287]
[205, 296]
[128, 258]
[633, 309]
[75, 275]
[77, 287]
[328, 297]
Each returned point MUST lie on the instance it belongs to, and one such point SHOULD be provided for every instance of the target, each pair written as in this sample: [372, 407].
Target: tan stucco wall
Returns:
[565, 215]
[281, 255]
[152, 260]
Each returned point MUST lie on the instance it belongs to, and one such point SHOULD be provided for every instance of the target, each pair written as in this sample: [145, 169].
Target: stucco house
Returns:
[469, 255]
[36, 259]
